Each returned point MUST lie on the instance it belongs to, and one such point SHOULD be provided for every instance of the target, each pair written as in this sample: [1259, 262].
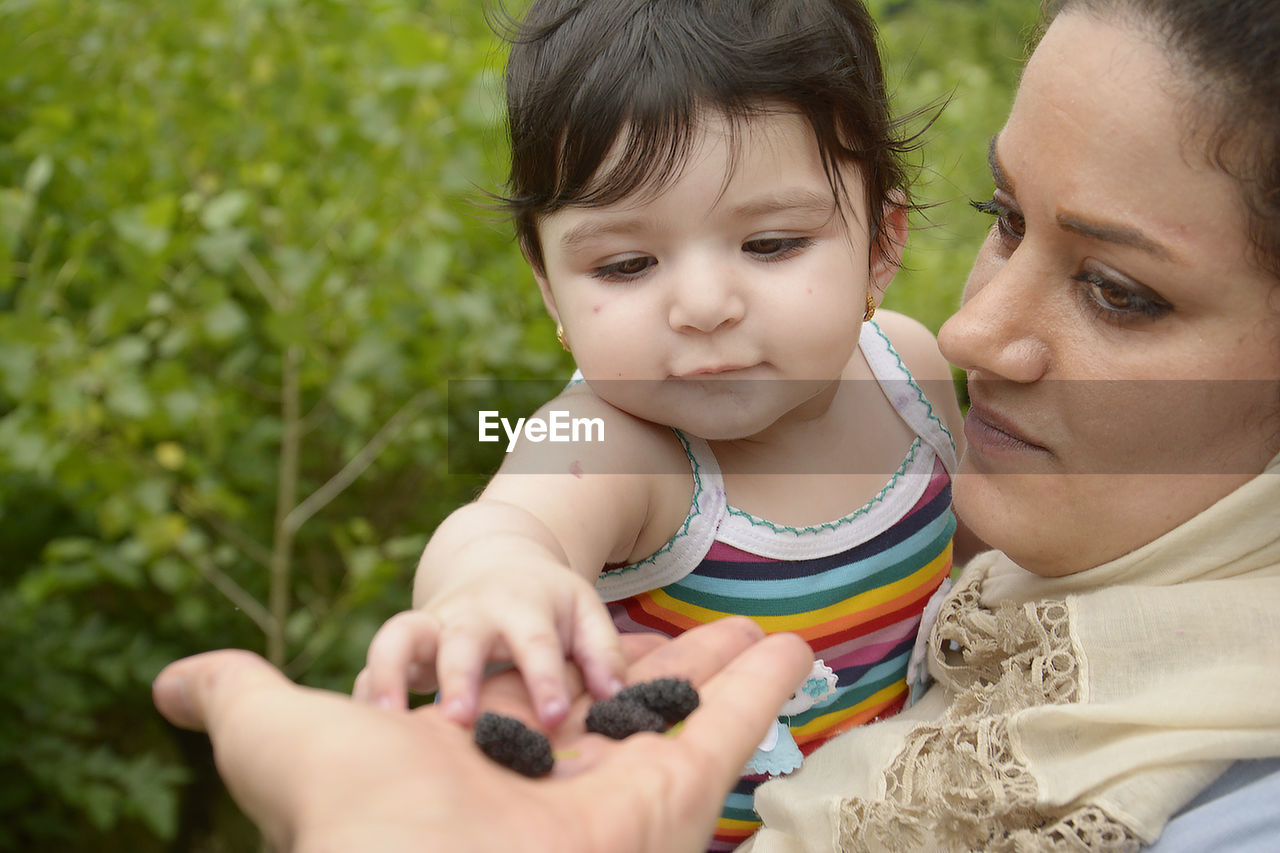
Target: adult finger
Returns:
[253, 715]
[696, 656]
[698, 653]
[637, 646]
[195, 692]
[738, 704]
[684, 779]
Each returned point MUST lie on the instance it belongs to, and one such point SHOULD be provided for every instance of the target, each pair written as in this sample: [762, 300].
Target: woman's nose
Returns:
[1000, 327]
[705, 300]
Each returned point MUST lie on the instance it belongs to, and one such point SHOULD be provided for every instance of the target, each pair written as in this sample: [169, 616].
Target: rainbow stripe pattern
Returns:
[859, 609]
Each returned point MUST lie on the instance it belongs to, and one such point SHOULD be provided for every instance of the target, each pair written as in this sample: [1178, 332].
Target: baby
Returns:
[712, 197]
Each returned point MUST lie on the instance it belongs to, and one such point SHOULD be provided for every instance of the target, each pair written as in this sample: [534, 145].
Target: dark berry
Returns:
[618, 718]
[513, 744]
[671, 698]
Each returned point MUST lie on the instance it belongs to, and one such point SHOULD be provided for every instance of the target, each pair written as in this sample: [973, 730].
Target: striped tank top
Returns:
[854, 588]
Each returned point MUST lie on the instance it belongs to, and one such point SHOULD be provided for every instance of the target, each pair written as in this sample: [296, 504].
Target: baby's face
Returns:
[727, 301]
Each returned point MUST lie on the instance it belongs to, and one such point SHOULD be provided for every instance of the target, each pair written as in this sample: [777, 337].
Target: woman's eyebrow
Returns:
[1110, 232]
[1107, 232]
[997, 171]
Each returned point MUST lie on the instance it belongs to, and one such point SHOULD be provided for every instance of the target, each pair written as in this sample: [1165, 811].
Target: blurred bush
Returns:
[964, 55]
[243, 247]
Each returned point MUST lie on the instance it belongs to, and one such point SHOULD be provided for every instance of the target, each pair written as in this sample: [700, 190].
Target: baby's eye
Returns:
[625, 269]
[776, 248]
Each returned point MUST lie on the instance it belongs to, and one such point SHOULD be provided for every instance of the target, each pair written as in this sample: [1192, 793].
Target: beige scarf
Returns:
[1076, 713]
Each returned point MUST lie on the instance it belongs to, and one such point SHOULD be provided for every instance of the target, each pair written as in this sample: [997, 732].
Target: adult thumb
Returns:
[192, 692]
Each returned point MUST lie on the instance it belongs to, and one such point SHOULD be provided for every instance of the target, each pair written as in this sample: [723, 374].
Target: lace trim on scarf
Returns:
[958, 783]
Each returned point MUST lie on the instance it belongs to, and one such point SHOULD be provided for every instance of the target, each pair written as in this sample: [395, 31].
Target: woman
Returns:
[1121, 333]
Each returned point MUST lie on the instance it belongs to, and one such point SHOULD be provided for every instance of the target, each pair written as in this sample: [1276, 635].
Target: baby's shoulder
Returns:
[644, 458]
[654, 447]
[915, 344]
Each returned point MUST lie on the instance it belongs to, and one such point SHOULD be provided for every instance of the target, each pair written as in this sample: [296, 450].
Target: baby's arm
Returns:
[919, 350]
[511, 576]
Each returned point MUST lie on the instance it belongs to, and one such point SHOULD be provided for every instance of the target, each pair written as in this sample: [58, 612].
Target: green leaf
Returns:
[102, 804]
[221, 249]
[404, 547]
[225, 320]
[38, 175]
[149, 226]
[224, 209]
[355, 401]
[17, 369]
[15, 210]
[171, 575]
[128, 397]
[152, 790]
[182, 405]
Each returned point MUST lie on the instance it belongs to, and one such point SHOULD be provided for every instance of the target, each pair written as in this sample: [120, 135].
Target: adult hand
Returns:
[319, 772]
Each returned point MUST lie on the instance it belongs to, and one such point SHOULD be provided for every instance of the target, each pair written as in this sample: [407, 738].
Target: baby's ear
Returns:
[891, 239]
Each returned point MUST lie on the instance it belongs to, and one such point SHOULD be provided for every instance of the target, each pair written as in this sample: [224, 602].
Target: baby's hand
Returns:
[535, 616]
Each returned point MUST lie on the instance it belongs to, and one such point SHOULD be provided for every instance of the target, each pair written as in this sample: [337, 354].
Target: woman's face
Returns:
[1121, 344]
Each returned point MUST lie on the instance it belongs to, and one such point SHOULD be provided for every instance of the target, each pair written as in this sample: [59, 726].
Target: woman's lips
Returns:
[990, 432]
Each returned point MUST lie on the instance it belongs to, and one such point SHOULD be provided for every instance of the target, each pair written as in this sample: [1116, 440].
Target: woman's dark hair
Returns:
[585, 74]
[1229, 54]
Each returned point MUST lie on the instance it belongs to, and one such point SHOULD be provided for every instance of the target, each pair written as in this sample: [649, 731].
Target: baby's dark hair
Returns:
[584, 74]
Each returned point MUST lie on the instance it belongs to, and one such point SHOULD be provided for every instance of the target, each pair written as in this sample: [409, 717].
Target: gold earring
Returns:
[561, 338]
[871, 307]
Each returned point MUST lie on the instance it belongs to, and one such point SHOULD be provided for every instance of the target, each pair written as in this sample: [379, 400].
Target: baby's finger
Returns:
[597, 649]
[534, 646]
[505, 693]
[459, 669]
[402, 642]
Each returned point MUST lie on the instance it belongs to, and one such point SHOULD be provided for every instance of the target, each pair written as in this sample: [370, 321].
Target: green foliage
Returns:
[241, 252]
[965, 55]
[243, 247]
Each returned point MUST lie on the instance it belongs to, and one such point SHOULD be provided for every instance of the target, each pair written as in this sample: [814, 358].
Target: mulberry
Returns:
[513, 744]
[671, 698]
[618, 718]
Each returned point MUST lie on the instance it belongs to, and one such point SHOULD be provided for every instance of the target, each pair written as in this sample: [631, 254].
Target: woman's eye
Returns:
[1009, 222]
[627, 268]
[1118, 302]
[776, 248]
